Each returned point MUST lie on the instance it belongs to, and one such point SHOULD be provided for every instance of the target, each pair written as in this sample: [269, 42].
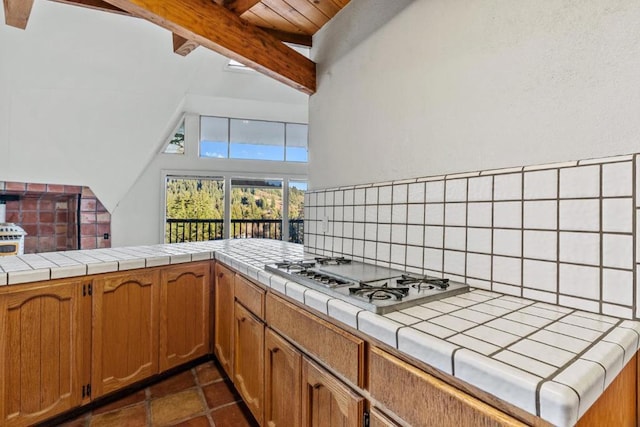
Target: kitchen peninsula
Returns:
[261, 326]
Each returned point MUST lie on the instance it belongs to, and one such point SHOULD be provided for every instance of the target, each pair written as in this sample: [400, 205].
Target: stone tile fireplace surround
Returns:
[58, 217]
[562, 233]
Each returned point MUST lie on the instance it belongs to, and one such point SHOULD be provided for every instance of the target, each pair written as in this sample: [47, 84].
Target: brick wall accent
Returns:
[49, 214]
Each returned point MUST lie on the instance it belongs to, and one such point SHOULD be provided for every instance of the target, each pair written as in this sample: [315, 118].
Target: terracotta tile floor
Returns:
[200, 397]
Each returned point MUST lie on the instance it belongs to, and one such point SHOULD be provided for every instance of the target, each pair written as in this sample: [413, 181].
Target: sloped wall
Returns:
[451, 86]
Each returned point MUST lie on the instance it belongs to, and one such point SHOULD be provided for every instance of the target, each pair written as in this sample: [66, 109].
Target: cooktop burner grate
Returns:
[333, 260]
[423, 282]
[295, 265]
[378, 293]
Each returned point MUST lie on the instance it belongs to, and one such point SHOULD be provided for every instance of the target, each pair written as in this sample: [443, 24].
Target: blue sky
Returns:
[252, 151]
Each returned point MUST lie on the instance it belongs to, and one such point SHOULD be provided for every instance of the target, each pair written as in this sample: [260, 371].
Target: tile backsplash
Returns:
[560, 233]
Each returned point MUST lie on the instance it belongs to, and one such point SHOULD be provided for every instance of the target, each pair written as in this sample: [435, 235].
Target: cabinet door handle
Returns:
[244, 319]
[275, 350]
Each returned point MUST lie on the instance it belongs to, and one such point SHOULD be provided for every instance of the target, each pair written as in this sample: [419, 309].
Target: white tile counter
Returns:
[551, 361]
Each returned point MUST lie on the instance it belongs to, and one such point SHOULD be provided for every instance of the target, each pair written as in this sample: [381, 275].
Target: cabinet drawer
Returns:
[339, 349]
[390, 378]
[250, 295]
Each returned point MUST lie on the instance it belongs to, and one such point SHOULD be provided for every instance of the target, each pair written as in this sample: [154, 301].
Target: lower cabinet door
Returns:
[282, 388]
[326, 401]
[379, 419]
[40, 352]
[125, 330]
[248, 360]
[184, 314]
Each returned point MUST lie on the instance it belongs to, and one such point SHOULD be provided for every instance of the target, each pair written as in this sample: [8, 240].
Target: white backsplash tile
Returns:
[415, 235]
[580, 248]
[434, 214]
[579, 280]
[433, 259]
[415, 214]
[400, 193]
[479, 240]
[507, 214]
[479, 214]
[617, 286]
[582, 181]
[455, 190]
[455, 214]
[479, 266]
[435, 191]
[617, 251]
[506, 270]
[507, 187]
[541, 184]
[454, 262]
[507, 242]
[455, 238]
[541, 214]
[416, 193]
[582, 215]
[384, 194]
[617, 215]
[545, 232]
[617, 179]
[480, 188]
[540, 245]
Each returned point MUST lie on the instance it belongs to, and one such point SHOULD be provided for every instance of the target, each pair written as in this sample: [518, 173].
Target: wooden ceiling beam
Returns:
[182, 46]
[239, 6]
[96, 5]
[216, 28]
[293, 38]
[17, 12]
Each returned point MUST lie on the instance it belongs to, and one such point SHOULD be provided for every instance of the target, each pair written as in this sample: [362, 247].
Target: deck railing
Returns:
[197, 230]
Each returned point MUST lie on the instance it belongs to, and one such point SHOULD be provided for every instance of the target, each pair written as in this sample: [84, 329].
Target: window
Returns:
[296, 142]
[257, 208]
[194, 209]
[176, 143]
[296, 211]
[214, 137]
[253, 139]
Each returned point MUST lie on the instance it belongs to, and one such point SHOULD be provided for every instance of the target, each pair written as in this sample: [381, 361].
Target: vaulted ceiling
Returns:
[250, 31]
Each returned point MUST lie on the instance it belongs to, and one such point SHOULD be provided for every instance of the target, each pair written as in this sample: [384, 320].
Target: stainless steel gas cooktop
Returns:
[374, 288]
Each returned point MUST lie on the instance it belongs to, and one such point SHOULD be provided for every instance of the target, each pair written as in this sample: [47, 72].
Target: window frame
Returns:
[229, 142]
[228, 177]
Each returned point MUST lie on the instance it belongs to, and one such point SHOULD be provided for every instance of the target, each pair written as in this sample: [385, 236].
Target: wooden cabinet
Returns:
[41, 334]
[125, 330]
[390, 378]
[184, 314]
[282, 382]
[326, 401]
[248, 360]
[333, 346]
[223, 313]
[378, 419]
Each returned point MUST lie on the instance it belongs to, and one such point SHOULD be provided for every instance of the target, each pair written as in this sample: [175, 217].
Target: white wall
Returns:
[87, 98]
[139, 216]
[452, 86]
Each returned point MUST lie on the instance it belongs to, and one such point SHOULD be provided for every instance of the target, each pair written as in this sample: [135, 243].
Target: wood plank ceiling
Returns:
[250, 31]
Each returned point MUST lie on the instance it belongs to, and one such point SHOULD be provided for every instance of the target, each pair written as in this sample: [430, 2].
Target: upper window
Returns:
[176, 143]
[252, 139]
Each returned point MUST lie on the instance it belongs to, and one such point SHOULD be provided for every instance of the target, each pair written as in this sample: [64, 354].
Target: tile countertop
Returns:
[549, 360]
